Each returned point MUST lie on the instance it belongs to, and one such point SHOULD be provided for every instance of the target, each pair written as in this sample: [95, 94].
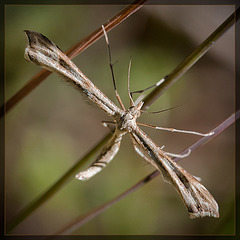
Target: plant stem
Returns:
[188, 62]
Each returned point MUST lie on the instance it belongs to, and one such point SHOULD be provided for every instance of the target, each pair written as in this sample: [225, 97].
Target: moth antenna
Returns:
[160, 111]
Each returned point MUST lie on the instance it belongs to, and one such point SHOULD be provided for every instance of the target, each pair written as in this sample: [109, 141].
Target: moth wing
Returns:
[198, 200]
[104, 158]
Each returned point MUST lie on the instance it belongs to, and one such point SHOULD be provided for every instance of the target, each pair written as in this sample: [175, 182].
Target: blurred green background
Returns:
[48, 131]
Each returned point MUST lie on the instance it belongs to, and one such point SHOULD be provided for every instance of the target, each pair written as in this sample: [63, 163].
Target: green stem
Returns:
[188, 62]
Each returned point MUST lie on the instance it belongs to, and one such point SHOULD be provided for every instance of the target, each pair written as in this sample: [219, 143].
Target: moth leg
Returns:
[104, 158]
[176, 130]
[140, 98]
[111, 68]
[178, 155]
[110, 125]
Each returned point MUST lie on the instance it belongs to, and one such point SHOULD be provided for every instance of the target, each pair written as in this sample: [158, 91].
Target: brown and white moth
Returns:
[196, 197]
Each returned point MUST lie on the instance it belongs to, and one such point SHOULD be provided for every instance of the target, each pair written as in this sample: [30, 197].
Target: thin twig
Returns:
[72, 52]
[80, 221]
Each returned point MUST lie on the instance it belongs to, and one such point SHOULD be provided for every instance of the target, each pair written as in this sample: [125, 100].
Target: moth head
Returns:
[135, 110]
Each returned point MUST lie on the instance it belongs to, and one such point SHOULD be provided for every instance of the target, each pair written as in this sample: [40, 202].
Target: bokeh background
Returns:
[48, 131]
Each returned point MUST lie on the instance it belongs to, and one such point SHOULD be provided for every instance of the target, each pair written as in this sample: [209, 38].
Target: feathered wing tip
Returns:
[36, 38]
[41, 50]
[198, 200]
